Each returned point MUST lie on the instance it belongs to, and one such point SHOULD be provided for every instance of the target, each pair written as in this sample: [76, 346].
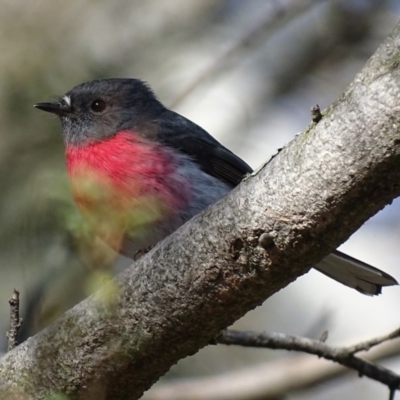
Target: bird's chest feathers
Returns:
[123, 184]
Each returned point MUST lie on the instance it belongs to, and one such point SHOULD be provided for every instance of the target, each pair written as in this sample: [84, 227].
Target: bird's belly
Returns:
[124, 219]
[205, 190]
[149, 236]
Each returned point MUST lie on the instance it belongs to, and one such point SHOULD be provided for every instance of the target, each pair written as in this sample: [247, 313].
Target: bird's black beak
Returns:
[54, 108]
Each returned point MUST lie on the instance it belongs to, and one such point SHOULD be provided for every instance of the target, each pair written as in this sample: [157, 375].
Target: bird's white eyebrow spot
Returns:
[67, 99]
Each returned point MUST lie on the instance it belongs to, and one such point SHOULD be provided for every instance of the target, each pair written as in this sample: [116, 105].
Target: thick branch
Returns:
[309, 198]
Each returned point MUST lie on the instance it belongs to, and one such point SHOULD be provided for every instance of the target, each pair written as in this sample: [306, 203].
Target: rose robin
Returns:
[138, 171]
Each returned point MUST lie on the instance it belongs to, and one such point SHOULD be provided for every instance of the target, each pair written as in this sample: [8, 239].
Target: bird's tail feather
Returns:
[354, 273]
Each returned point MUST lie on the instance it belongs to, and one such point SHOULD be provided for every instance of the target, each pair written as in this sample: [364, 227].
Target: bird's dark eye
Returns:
[98, 106]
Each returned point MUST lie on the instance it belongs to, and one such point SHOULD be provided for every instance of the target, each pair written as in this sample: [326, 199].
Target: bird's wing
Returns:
[213, 158]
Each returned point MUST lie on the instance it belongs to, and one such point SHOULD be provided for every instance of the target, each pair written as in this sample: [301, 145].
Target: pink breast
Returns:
[124, 184]
[130, 165]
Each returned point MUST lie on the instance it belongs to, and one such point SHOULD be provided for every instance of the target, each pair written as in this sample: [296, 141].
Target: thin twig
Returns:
[279, 14]
[266, 380]
[15, 320]
[342, 355]
[365, 346]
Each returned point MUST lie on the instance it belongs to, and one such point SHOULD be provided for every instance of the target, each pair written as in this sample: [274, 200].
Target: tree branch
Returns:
[309, 198]
[342, 355]
[15, 320]
[365, 346]
[268, 381]
[279, 13]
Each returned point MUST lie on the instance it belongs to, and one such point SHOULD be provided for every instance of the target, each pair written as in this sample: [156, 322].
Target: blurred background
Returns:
[246, 71]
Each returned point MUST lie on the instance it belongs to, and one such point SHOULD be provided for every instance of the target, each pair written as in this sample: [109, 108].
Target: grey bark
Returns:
[309, 198]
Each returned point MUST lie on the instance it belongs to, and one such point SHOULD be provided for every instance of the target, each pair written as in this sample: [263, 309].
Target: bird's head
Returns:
[101, 108]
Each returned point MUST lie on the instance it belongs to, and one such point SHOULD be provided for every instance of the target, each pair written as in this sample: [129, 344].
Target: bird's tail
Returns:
[354, 273]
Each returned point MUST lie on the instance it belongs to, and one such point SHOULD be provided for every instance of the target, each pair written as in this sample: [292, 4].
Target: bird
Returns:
[139, 170]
